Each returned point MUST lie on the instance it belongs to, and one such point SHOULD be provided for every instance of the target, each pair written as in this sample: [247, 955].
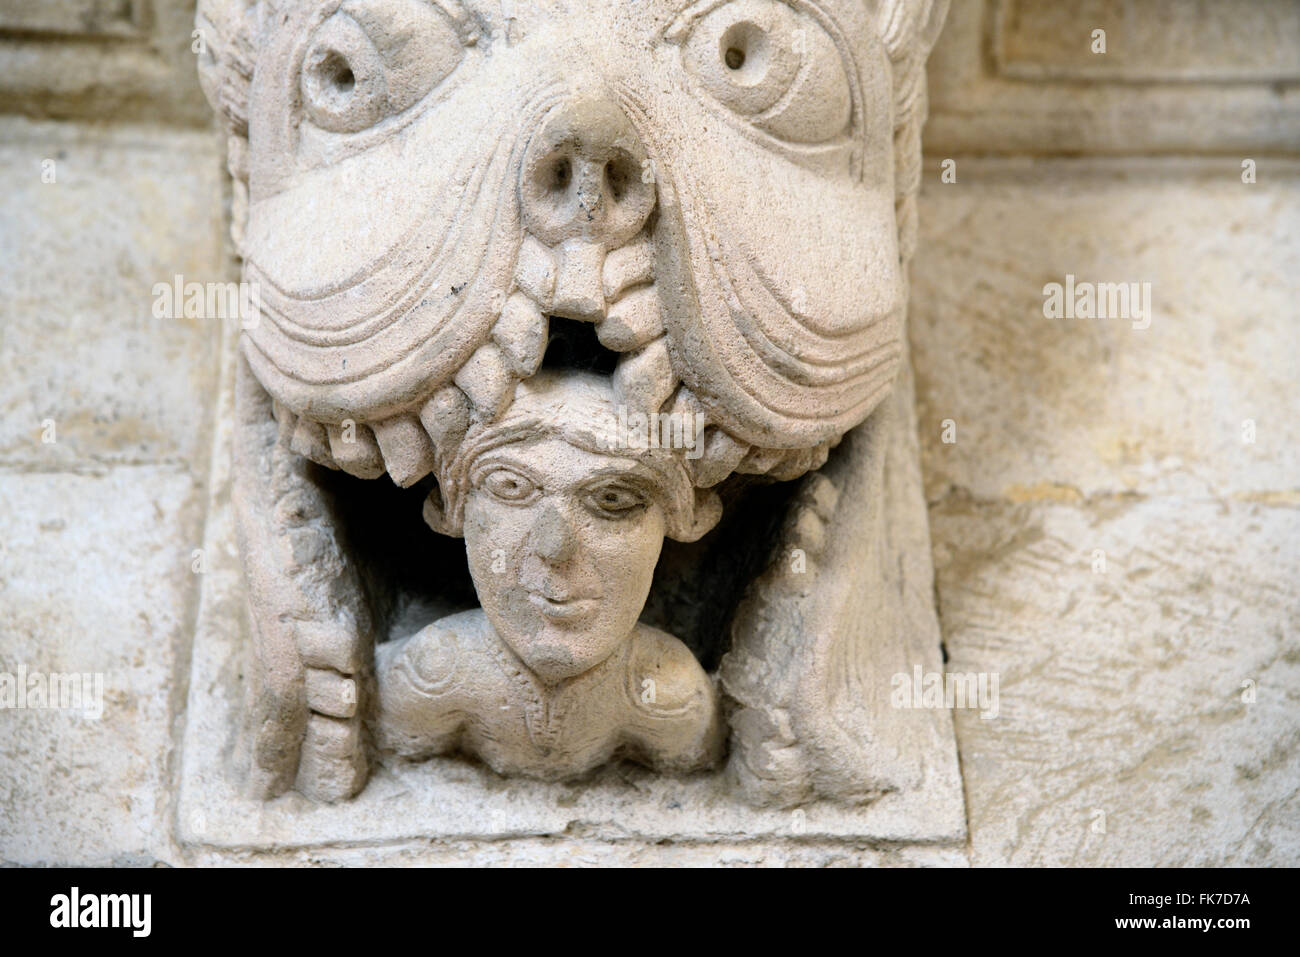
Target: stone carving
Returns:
[563, 527]
[492, 242]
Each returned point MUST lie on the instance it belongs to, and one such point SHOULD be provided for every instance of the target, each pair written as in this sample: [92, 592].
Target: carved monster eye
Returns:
[775, 67]
[375, 58]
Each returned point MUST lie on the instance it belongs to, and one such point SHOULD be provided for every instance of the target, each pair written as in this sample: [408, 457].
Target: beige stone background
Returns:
[1149, 712]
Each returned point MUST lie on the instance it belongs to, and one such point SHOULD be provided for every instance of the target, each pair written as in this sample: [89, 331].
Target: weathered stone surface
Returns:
[1154, 40]
[1010, 76]
[79, 257]
[96, 59]
[585, 851]
[1122, 692]
[1085, 440]
[1061, 409]
[96, 576]
[1122, 735]
[101, 525]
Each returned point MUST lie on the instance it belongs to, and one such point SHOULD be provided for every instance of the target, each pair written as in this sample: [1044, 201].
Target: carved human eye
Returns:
[776, 68]
[507, 485]
[613, 500]
[375, 58]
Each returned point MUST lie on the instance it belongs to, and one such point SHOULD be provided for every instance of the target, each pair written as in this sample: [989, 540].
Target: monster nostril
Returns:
[617, 181]
[585, 175]
[561, 175]
[734, 58]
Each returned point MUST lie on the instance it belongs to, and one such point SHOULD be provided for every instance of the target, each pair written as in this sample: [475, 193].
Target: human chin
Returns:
[560, 642]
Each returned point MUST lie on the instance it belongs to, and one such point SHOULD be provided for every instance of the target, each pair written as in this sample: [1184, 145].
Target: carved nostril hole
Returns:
[561, 175]
[617, 178]
[734, 58]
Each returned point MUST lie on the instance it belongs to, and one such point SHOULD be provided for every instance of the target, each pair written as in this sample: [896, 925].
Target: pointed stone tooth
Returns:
[685, 403]
[760, 461]
[578, 290]
[332, 643]
[820, 495]
[818, 456]
[721, 455]
[406, 447]
[330, 693]
[446, 418]
[488, 382]
[521, 333]
[644, 380]
[535, 274]
[633, 321]
[628, 266]
[355, 450]
[796, 462]
[332, 766]
[310, 441]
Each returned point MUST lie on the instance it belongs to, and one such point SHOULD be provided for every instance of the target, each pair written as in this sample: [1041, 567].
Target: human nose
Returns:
[552, 536]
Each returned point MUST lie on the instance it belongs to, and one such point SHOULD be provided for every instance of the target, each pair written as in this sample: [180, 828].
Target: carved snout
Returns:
[585, 176]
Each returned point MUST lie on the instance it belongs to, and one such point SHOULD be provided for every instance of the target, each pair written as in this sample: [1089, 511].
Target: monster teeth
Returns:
[812, 513]
[536, 272]
[633, 321]
[406, 447]
[579, 293]
[521, 333]
[644, 380]
[311, 441]
[628, 266]
[721, 455]
[794, 464]
[446, 418]
[355, 450]
[488, 382]
[761, 461]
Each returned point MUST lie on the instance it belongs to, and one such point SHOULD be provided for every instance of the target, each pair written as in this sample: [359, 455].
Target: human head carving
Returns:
[579, 410]
[563, 523]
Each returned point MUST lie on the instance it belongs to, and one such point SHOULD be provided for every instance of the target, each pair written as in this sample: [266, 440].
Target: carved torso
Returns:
[455, 686]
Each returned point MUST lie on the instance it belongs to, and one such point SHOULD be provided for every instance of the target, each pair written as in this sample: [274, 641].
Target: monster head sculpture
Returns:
[699, 211]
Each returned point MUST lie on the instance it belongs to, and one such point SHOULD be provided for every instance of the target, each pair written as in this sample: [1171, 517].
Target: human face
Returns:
[562, 547]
